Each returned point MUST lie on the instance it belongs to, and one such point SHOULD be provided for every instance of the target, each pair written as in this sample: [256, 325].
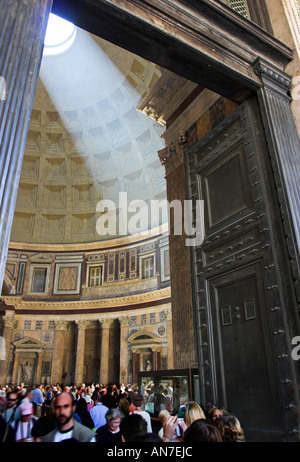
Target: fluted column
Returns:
[124, 322]
[39, 366]
[58, 350]
[22, 31]
[170, 340]
[284, 147]
[104, 358]
[80, 350]
[15, 368]
[9, 325]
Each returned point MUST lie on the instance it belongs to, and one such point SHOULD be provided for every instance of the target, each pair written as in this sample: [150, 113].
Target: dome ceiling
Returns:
[86, 143]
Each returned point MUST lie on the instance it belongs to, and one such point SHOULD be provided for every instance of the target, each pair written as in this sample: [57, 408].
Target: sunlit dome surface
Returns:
[87, 143]
[60, 35]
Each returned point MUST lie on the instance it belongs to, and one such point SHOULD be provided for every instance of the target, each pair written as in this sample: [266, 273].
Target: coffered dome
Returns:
[86, 143]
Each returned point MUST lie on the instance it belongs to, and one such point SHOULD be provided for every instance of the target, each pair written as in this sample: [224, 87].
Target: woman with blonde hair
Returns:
[192, 412]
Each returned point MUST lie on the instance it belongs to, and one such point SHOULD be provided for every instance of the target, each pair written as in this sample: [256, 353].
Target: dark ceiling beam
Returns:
[163, 40]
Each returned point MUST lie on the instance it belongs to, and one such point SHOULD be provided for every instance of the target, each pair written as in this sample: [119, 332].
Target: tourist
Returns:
[38, 399]
[68, 429]
[110, 432]
[98, 412]
[23, 426]
[138, 402]
[230, 429]
[12, 411]
[131, 425]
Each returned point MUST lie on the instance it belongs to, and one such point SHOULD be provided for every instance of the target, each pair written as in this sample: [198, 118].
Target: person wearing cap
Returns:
[23, 426]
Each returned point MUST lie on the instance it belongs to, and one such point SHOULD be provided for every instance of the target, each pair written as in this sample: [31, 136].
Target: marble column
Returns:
[9, 325]
[22, 31]
[61, 328]
[104, 358]
[170, 355]
[124, 323]
[15, 368]
[39, 366]
[80, 350]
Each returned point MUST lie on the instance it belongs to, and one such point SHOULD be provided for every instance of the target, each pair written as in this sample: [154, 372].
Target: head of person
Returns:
[124, 406]
[29, 394]
[26, 411]
[192, 412]
[230, 428]
[215, 412]
[202, 431]
[64, 408]
[98, 398]
[131, 425]
[11, 399]
[138, 400]
[81, 405]
[113, 419]
[42, 427]
[164, 415]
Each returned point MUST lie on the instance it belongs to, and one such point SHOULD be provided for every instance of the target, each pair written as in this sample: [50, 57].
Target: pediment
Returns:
[41, 258]
[29, 343]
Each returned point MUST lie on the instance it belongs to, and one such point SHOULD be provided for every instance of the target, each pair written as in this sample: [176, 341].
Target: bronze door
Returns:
[242, 284]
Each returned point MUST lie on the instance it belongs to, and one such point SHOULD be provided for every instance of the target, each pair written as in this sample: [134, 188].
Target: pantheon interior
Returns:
[151, 108]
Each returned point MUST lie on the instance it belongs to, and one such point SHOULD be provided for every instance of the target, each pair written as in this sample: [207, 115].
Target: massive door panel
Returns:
[239, 281]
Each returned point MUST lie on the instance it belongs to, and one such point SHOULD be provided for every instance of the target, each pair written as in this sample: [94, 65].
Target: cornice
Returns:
[131, 302]
[277, 76]
[110, 244]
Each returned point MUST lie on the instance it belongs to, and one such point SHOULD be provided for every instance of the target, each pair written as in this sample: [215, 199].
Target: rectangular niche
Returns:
[83, 195]
[53, 119]
[134, 182]
[55, 196]
[39, 279]
[30, 166]
[55, 168]
[53, 226]
[145, 142]
[105, 165]
[84, 225]
[27, 195]
[76, 142]
[80, 167]
[67, 278]
[127, 156]
[23, 225]
[109, 189]
[157, 175]
[35, 118]
[54, 142]
[33, 141]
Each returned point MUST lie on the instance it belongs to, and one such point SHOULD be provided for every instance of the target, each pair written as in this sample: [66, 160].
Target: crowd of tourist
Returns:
[108, 414]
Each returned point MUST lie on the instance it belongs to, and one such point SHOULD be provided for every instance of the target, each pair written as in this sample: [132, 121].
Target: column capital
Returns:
[82, 325]
[10, 321]
[61, 325]
[168, 315]
[106, 322]
[173, 155]
[272, 76]
[124, 321]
